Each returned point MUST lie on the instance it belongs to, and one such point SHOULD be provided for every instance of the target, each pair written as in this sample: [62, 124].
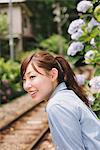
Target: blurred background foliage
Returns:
[10, 84]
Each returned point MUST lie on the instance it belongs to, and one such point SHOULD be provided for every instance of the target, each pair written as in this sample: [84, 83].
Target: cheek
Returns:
[45, 92]
[46, 86]
[42, 81]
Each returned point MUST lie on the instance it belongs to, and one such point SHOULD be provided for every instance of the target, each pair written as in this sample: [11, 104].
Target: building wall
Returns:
[20, 21]
[27, 30]
[21, 26]
[16, 21]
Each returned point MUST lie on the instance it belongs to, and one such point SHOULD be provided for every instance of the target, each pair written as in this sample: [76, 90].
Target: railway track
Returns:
[25, 130]
[45, 143]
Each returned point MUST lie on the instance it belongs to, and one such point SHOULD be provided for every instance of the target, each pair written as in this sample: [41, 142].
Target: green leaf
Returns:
[94, 1]
[97, 13]
[88, 47]
[85, 38]
[97, 41]
[97, 72]
[74, 59]
[95, 31]
[96, 104]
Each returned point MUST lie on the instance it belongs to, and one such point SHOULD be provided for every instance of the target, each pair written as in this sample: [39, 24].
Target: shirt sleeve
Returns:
[65, 128]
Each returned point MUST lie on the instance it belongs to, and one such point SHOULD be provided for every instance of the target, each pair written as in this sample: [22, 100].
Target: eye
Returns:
[32, 77]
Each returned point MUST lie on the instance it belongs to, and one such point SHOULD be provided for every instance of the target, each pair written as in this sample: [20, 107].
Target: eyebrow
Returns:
[28, 72]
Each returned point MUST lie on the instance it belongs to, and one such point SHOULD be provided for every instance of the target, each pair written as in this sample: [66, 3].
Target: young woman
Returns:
[72, 123]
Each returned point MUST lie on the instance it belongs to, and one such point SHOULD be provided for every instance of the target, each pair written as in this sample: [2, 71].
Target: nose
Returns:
[27, 85]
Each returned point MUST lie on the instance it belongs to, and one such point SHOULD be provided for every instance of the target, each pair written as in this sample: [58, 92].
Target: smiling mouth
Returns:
[33, 93]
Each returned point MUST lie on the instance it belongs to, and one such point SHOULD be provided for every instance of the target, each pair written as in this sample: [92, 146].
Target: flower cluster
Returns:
[85, 30]
[84, 6]
[75, 26]
[89, 56]
[92, 24]
[80, 78]
[95, 84]
[85, 46]
[91, 98]
[76, 35]
[92, 42]
[74, 48]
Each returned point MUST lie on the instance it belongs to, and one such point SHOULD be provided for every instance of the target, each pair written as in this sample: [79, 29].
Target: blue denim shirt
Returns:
[72, 124]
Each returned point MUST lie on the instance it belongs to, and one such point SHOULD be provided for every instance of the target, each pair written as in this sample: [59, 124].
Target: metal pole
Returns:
[11, 41]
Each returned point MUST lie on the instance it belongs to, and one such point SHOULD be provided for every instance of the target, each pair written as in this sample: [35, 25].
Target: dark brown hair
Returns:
[47, 61]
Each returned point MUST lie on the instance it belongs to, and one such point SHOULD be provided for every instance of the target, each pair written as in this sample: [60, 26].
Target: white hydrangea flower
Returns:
[74, 48]
[89, 56]
[92, 42]
[92, 23]
[83, 6]
[91, 99]
[75, 25]
[95, 84]
[80, 78]
[77, 35]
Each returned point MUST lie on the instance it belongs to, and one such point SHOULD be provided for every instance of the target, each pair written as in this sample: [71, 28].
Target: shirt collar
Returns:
[60, 87]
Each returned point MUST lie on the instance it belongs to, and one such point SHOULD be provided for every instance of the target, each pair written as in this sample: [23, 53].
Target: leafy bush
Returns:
[10, 80]
[85, 34]
[52, 44]
[22, 55]
[9, 70]
[85, 45]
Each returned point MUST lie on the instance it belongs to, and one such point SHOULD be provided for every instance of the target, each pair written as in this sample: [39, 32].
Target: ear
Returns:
[53, 74]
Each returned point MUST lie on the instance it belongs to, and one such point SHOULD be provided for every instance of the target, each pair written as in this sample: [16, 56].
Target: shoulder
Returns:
[68, 102]
[63, 102]
[65, 98]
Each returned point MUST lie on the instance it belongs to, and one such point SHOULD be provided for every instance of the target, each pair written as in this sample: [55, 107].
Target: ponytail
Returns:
[70, 79]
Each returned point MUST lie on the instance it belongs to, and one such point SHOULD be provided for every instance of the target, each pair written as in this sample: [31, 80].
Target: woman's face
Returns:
[39, 86]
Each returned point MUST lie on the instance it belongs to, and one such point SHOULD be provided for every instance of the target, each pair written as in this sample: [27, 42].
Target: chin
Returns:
[36, 98]
[39, 98]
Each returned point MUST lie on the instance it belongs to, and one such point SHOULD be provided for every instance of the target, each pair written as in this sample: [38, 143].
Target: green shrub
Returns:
[9, 70]
[52, 44]
[22, 55]
[10, 86]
